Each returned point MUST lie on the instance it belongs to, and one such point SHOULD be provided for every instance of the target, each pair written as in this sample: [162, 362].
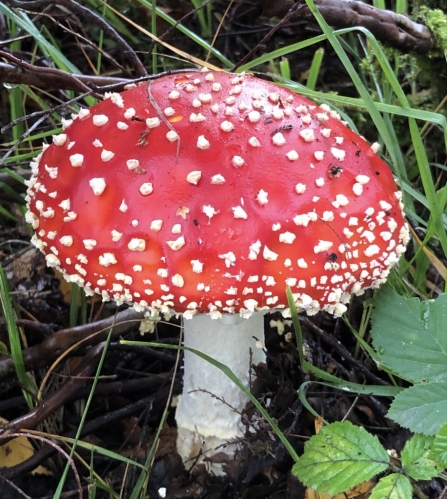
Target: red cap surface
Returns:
[211, 192]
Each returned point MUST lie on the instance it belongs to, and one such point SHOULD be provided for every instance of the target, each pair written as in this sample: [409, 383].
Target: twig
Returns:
[85, 13]
[290, 14]
[394, 29]
[343, 351]
[54, 345]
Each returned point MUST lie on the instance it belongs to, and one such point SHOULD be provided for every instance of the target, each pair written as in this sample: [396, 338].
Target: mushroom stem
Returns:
[209, 413]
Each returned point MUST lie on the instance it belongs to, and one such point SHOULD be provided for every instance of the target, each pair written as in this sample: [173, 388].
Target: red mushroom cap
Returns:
[212, 192]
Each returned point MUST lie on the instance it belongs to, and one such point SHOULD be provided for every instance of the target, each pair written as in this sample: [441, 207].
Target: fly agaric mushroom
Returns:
[207, 194]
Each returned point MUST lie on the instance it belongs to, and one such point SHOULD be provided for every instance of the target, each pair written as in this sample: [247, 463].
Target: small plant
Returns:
[410, 341]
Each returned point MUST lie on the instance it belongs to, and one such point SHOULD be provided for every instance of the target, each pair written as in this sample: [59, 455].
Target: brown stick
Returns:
[85, 13]
[387, 26]
[24, 73]
[54, 345]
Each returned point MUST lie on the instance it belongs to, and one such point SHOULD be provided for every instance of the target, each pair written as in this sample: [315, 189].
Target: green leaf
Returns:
[339, 457]
[439, 448]
[393, 486]
[409, 335]
[415, 458]
[421, 408]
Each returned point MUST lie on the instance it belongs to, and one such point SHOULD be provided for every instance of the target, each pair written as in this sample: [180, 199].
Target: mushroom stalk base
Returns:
[209, 412]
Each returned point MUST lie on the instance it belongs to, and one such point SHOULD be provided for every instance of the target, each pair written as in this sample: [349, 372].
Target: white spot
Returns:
[254, 248]
[153, 122]
[100, 119]
[146, 188]
[362, 179]
[237, 161]
[169, 111]
[197, 266]
[227, 126]
[254, 116]
[97, 143]
[269, 255]
[300, 188]
[319, 155]
[385, 206]
[174, 95]
[176, 229]
[287, 237]
[122, 126]
[375, 147]
[136, 244]
[196, 118]
[66, 241]
[137, 268]
[386, 236]
[123, 206]
[177, 244]
[163, 273]
[357, 189]
[216, 87]
[209, 211]
[65, 204]
[262, 197]
[98, 185]
[217, 179]
[339, 154]
[129, 113]
[116, 236]
[320, 182]
[107, 155]
[278, 139]
[307, 134]
[76, 160]
[194, 177]
[132, 164]
[292, 155]
[115, 97]
[322, 246]
[302, 264]
[178, 281]
[254, 142]
[340, 200]
[302, 220]
[156, 225]
[239, 212]
[328, 216]
[278, 114]
[59, 140]
[205, 98]
[89, 244]
[230, 259]
[172, 136]
[372, 250]
[107, 259]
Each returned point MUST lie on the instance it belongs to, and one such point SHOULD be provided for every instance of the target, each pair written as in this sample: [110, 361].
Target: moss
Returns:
[436, 22]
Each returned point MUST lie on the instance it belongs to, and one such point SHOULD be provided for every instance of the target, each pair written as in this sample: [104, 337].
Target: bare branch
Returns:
[85, 13]
[387, 26]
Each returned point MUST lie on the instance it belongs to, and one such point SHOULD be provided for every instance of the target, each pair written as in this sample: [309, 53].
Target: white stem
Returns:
[204, 422]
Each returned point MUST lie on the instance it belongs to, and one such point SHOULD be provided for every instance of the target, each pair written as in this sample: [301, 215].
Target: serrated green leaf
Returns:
[421, 408]
[409, 335]
[415, 458]
[393, 486]
[439, 448]
[339, 457]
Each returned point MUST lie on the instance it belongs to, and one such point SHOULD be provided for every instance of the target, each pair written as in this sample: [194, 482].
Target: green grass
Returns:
[402, 128]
